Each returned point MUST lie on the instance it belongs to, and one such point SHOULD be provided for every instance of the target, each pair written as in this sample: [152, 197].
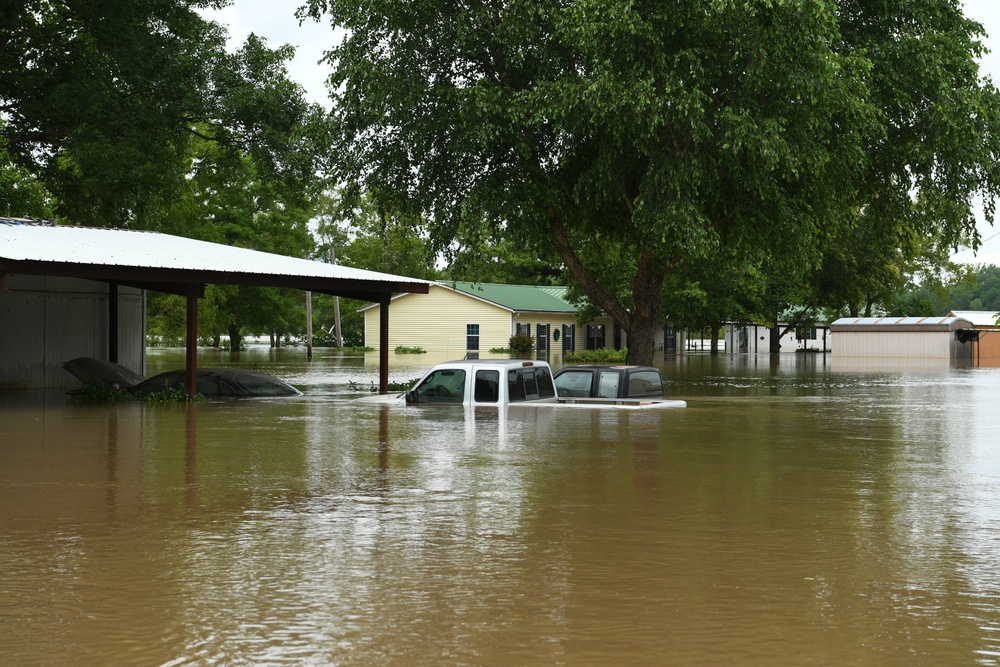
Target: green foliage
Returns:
[521, 344]
[22, 195]
[352, 323]
[402, 349]
[636, 137]
[101, 394]
[136, 115]
[105, 394]
[374, 231]
[373, 389]
[104, 100]
[600, 356]
[964, 287]
[502, 261]
[170, 395]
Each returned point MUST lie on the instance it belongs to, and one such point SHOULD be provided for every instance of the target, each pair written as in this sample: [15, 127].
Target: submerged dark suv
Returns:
[609, 382]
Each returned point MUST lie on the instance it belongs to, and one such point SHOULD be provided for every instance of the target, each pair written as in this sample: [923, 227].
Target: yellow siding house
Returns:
[476, 317]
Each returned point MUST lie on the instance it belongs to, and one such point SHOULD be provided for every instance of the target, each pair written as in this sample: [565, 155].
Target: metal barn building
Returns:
[939, 338]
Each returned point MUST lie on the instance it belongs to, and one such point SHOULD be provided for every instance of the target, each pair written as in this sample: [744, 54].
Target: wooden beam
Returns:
[383, 343]
[113, 322]
[191, 364]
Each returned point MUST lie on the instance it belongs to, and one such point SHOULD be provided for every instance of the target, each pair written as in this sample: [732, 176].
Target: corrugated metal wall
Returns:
[896, 344]
[45, 321]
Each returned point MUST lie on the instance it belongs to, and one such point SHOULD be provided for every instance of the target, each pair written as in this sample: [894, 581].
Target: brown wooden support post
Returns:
[113, 322]
[383, 344]
[191, 365]
[309, 326]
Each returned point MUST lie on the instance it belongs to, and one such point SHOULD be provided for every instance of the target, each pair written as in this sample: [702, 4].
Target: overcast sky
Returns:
[276, 21]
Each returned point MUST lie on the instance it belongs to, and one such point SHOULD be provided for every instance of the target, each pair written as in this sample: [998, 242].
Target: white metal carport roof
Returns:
[178, 265]
[173, 263]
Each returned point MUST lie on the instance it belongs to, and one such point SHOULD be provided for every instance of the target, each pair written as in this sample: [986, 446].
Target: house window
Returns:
[595, 336]
[806, 334]
[471, 336]
[542, 333]
[523, 329]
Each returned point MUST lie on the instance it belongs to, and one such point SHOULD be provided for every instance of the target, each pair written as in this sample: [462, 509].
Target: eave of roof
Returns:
[175, 264]
[512, 298]
[519, 298]
[909, 324]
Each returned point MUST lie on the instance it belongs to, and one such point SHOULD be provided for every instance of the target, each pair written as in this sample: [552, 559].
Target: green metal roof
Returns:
[518, 297]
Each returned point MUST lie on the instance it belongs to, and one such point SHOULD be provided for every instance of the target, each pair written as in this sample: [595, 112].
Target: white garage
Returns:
[942, 338]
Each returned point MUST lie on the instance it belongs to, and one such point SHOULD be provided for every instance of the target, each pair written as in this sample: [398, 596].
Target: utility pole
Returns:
[338, 341]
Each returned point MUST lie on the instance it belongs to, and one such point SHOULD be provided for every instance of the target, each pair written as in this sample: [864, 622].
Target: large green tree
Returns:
[653, 132]
[102, 100]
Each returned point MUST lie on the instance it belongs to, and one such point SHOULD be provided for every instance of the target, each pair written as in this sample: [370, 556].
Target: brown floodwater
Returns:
[794, 514]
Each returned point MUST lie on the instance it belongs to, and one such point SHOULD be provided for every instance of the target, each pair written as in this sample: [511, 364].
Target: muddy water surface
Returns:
[793, 514]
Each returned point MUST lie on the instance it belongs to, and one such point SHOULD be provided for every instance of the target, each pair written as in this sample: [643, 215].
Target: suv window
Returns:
[645, 383]
[574, 384]
[608, 386]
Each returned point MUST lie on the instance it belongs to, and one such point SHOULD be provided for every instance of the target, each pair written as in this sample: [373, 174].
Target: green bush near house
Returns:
[521, 344]
[402, 349]
[598, 356]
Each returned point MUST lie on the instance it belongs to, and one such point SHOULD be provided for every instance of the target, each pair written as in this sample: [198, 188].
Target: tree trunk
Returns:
[641, 341]
[641, 323]
[235, 338]
[715, 338]
[775, 338]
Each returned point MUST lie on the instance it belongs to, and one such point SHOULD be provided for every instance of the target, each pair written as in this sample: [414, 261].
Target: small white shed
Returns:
[903, 338]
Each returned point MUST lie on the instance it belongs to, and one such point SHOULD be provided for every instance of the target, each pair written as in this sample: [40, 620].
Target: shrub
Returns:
[598, 356]
[521, 344]
[402, 349]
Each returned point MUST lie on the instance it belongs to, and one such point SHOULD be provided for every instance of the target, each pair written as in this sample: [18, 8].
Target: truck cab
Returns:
[484, 382]
[609, 382]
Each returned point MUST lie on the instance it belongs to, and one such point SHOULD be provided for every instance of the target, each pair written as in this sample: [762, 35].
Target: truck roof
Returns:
[506, 363]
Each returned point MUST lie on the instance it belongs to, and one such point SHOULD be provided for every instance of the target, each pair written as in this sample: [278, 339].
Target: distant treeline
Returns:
[974, 288]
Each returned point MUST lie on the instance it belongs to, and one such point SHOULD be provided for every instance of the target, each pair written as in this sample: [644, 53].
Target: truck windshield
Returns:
[572, 384]
[441, 386]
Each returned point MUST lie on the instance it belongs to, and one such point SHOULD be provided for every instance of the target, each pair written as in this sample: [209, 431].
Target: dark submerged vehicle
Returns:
[212, 382]
[220, 382]
[609, 382]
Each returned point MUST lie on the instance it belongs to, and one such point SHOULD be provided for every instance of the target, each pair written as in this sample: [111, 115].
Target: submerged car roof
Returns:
[263, 384]
[99, 372]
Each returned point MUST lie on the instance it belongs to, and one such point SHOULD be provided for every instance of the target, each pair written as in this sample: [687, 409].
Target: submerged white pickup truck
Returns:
[500, 382]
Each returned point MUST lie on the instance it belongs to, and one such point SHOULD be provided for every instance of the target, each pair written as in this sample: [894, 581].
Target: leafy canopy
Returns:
[102, 100]
[636, 136]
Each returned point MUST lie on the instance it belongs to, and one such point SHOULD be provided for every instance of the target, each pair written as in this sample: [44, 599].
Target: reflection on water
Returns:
[792, 514]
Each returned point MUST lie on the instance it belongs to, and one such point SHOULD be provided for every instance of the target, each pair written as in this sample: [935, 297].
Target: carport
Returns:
[177, 265]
